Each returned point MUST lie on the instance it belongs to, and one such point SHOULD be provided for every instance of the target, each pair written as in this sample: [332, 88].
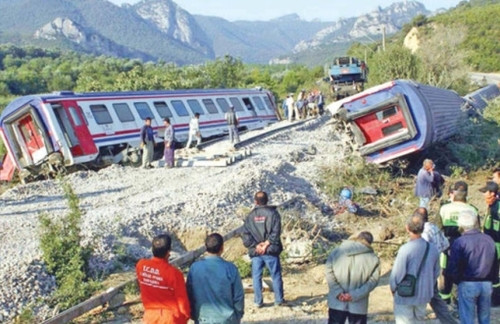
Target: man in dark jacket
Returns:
[473, 266]
[261, 235]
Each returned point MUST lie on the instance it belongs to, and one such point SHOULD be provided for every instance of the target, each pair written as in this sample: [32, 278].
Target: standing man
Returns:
[449, 215]
[232, 125]
[214, 287]
[291, 108]
[147, 143]
[163, 291]
[473, 266]
[261, 235]
[352, 272]
[434, 235]
[492, 221]
[194, 130]
[424, 188]
[414, 255]
[321, 103]
[284, 106]
[169, 139]
[496, 179]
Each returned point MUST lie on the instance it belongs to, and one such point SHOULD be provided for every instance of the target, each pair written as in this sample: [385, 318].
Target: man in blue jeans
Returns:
[261, 235]
[473, 266]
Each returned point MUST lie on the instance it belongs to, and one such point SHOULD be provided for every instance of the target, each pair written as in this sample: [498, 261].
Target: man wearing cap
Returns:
[496, 178]
[352, 272]
[232, 125]
[473, 267]
[492, 221]
[147, 143]
[163, 291]
[449, 215]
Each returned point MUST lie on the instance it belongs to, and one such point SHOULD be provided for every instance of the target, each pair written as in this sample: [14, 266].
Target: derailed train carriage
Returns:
[48, 132]
[403, 117]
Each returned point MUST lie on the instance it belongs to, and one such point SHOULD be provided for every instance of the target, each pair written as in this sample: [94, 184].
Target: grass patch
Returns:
[64, 256]
[394, 191]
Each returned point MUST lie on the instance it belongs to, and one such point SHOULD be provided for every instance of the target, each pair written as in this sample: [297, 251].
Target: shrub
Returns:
[244, 267]
[64, 256]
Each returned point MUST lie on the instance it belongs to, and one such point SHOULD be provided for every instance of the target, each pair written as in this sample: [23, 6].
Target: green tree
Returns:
[396, 62]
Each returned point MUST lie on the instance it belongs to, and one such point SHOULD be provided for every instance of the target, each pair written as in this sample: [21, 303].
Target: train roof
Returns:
[21, 101]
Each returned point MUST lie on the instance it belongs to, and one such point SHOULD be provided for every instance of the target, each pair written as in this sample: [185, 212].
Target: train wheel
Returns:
[134, 158]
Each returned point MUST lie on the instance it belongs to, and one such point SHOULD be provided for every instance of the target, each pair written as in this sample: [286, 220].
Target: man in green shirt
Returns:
[449, 214]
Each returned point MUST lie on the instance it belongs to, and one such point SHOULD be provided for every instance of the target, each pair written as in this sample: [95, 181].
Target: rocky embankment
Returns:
[128, 206]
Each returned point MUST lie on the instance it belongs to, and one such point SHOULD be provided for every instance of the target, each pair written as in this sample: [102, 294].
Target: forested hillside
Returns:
[482, 22]
[32, 70]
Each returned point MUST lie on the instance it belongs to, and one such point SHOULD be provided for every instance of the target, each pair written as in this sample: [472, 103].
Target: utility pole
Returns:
[383, 38]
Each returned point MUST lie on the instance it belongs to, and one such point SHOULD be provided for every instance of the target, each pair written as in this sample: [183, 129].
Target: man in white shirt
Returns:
[194, 130]
[291, 108]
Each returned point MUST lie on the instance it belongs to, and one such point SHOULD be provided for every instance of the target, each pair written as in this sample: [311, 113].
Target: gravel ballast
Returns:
[129, 206]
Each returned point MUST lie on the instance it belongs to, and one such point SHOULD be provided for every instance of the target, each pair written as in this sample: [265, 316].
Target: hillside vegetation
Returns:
[481, 43]
[452, 44]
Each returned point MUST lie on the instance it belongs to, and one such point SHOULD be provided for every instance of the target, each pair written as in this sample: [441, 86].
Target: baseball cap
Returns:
[460, 186]
[490, 186]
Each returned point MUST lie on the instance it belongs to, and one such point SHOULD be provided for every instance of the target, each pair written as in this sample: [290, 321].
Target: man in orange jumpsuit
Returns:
[163, 290]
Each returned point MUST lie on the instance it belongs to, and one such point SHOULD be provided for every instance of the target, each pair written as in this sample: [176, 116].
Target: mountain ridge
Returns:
[162, 30]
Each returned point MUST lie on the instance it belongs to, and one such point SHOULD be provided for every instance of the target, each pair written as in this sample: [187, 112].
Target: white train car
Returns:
[49, 131]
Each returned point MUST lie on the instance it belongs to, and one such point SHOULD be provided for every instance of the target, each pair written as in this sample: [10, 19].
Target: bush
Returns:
[64, 256]
[244, 267]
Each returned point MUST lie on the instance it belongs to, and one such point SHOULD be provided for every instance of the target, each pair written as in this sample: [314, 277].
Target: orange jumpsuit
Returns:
[163, 292]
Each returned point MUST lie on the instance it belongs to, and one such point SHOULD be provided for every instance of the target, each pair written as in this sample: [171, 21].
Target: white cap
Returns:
[467, 218]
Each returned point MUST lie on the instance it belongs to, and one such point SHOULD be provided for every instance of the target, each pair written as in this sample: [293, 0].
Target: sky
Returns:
[324, 10]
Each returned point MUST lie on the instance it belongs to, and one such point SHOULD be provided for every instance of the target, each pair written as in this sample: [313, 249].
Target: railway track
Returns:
[189, 257]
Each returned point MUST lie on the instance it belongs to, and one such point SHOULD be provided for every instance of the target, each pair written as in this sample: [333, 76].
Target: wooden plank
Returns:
[101, 299]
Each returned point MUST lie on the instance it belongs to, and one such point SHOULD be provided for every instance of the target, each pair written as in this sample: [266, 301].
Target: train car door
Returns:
[75, 130]
[384, 125]
[381, 124]
[32, 137]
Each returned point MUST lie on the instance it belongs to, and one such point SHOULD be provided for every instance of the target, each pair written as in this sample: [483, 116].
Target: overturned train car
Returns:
[402, 117]
[49, 132]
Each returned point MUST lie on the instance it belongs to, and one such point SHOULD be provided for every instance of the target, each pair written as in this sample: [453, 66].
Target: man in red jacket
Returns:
[163, 290]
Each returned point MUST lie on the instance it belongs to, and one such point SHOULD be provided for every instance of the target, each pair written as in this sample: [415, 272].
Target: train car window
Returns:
[389, 130]
[195, 106]
[248, 104]
[75, 116]
[259, 103]
[101, 114]
[144, 110]
[123, 112]
[236, 103]
[223, 104]
[386, 113]
[210, 106]
[84, 117]
[179, 108]
[162, 109]
[268, 103]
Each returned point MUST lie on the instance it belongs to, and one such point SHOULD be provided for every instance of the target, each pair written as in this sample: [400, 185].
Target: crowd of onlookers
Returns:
[306, 104]
[458, 250]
